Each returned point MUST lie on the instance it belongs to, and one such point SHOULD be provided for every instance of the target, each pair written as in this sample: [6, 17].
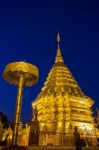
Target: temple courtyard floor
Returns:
[60, 148]
[55, 148]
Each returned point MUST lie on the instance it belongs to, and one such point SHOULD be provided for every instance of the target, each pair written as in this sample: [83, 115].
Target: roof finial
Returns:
[58, 55]
[58, 39]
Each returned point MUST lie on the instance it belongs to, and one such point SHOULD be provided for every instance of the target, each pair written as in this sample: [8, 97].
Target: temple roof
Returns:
[60, 79]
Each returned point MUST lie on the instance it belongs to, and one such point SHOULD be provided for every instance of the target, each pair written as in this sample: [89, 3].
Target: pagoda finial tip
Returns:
[58, 37]
[58, 55]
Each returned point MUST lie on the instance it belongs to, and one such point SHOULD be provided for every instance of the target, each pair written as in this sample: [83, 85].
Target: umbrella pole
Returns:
[18, 111]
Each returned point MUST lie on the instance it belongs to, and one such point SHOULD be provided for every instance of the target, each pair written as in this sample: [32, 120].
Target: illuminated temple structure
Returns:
[62, 105]
[59, 107]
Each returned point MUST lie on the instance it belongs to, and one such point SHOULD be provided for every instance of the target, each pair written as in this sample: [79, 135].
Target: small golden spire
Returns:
[58, 55]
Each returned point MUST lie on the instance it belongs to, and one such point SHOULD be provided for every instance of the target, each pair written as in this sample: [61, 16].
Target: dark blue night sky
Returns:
[28, 31]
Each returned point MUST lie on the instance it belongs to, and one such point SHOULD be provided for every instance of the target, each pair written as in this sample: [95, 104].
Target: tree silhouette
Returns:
[4, 120]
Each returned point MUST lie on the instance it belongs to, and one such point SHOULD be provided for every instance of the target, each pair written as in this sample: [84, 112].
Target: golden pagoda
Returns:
[62, 105]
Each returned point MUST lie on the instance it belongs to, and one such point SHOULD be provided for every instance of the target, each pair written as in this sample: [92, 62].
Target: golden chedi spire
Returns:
[60, 78]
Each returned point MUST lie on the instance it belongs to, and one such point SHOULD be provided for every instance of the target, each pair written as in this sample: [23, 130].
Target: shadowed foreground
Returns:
[49, 148]
[59, 148]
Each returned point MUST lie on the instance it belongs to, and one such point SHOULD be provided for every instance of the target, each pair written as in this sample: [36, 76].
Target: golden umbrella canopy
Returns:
[14, 70]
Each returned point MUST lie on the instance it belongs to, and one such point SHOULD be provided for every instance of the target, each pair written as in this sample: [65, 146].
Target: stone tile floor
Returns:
[54, 148]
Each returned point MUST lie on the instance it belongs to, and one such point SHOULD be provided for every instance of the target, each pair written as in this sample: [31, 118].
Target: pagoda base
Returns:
[15, 148]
